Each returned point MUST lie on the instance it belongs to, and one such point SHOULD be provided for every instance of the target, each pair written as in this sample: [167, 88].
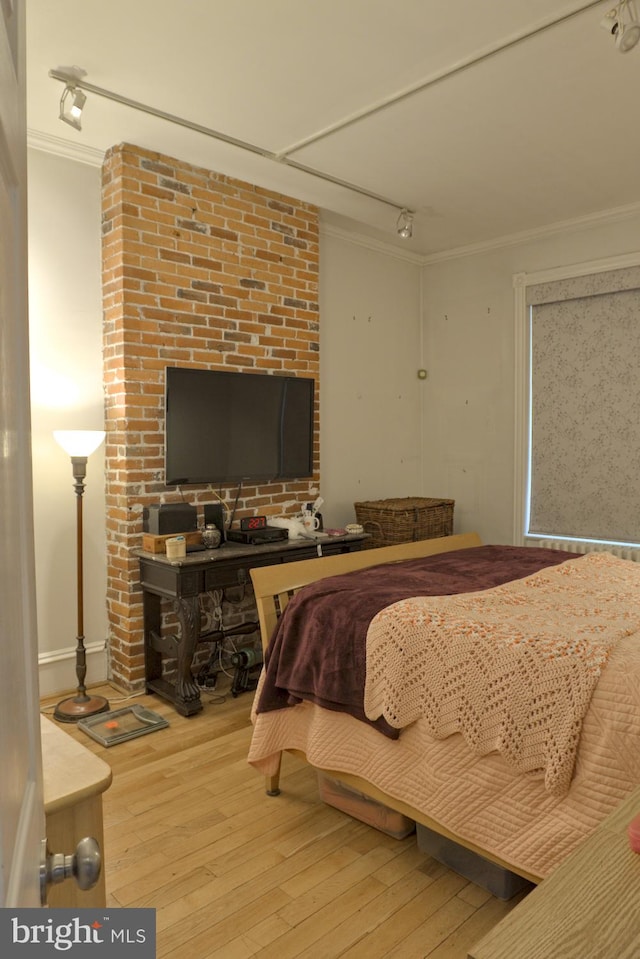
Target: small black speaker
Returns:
[214, 516]
[169, 518]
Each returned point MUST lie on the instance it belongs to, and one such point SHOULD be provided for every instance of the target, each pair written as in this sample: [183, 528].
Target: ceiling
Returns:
[488, 119]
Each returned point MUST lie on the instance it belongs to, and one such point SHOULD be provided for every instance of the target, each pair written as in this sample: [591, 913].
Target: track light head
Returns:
[72, 102]
[628, 37]
[622, 23]
[404, 224]
[610, 22]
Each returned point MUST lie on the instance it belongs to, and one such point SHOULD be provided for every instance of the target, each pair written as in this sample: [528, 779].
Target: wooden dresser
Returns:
[74, 781]
[587, 909]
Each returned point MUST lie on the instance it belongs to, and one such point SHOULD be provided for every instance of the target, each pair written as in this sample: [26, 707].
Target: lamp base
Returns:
[79, 707]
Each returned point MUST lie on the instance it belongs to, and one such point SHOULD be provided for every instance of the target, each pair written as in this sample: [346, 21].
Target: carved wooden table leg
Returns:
[187, 694]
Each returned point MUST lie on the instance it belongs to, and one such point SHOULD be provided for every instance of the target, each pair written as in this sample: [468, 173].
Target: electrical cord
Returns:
[235, 505]
[224, 505]
[45, 710]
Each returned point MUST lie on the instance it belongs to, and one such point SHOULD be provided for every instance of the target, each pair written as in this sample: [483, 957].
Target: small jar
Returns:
[211, 536]
[176, 547]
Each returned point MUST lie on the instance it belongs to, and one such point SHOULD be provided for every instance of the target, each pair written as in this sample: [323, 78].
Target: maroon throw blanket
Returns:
[318, 650]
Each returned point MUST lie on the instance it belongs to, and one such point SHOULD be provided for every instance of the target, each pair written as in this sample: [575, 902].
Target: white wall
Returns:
[370, 394]
[469, 336]
[65, 326]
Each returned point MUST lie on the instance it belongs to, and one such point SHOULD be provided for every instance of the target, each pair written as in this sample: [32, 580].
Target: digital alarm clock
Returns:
[253, 523]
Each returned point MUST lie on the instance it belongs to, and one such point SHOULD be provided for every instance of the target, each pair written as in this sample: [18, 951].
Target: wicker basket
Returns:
[390, 521]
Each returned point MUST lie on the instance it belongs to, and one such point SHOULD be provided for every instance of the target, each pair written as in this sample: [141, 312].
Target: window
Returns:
[578, 409]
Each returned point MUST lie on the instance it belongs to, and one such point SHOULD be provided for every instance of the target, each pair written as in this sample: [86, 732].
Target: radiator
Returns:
[622, 552]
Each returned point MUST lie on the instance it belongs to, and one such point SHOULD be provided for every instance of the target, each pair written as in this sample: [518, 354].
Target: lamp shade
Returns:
[79, 442]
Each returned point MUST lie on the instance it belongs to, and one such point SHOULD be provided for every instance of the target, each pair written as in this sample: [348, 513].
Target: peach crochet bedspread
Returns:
[513, 668]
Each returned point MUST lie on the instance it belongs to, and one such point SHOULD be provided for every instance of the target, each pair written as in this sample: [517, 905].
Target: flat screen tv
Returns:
[226, 427]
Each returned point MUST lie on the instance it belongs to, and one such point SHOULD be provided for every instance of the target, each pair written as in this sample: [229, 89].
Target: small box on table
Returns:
[158, 544]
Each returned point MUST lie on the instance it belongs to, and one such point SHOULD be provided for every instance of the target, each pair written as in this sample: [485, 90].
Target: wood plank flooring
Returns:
[235, 874]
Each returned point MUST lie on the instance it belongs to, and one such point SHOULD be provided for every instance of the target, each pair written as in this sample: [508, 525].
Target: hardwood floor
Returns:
[235, 874]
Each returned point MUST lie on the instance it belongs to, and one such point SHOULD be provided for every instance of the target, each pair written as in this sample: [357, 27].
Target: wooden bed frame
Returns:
[275, 585]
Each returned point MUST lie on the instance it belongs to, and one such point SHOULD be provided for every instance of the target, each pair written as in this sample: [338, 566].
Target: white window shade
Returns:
[585, 407]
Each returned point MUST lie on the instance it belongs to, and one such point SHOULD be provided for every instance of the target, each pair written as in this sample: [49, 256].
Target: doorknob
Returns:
[85, 865]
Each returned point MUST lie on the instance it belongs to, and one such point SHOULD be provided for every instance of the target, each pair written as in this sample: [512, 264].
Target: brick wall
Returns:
[204, 271]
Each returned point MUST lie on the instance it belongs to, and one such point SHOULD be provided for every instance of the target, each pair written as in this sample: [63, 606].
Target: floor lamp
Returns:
[79, 444]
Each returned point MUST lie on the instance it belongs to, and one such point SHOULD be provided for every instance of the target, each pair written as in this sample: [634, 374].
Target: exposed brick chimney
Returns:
[199, 270]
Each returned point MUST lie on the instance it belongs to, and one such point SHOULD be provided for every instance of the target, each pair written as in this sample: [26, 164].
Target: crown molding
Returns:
[539, 233]
[58, 146]
[64, 148]
[370, 243]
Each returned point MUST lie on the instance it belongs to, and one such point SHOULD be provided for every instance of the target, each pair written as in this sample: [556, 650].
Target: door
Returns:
[22, 824]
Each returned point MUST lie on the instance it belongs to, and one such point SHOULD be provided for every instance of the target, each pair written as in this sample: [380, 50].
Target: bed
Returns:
[485, 798]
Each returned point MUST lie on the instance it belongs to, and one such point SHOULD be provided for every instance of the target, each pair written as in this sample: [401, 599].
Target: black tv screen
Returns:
[223, 426]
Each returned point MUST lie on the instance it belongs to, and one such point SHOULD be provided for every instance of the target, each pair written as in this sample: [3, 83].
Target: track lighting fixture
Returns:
[71, 103]
[73, 100]
[622, 23]
[404, 225]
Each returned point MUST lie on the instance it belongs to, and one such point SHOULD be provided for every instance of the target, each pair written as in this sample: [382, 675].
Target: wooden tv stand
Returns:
[182, 581]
